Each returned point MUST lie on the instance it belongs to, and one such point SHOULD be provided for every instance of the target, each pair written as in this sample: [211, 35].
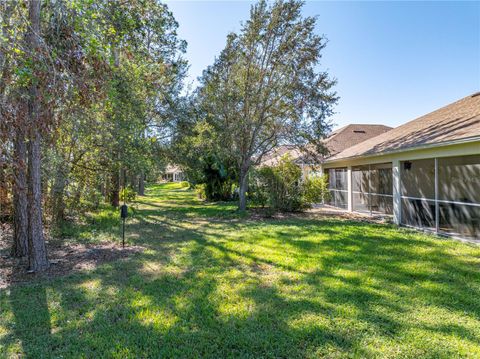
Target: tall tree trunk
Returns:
[115, 188]
[242, 191]
[124, 179]
[58, 190]
[20, 204]
[107, 185]
[133, 181]
[3, 188]
[37, 251]
[141, 184]
[37, 255]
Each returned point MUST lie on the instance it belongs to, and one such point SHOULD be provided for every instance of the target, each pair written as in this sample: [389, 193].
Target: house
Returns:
[335, 143]
[173, 173]
[425, 173]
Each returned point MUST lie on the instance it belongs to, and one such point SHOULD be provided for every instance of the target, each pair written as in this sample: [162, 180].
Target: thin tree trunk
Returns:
[242, 192]
[107, 185]
[58, 190]
[37, 251]
[133, 181]
[141, 184]
[3, 188]
[20, 204]
[123, 178]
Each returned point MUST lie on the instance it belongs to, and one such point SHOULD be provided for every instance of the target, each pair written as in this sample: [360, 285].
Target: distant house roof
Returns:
[172, 169]
[457, 121]
[278, 152]
[336, 142]
[351, 135]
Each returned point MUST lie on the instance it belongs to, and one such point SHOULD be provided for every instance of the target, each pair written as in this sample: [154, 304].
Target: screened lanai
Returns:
[371, 190]
[437, 194]
[442, 194]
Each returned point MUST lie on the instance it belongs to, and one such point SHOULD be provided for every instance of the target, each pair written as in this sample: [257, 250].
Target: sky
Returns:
[394, 61]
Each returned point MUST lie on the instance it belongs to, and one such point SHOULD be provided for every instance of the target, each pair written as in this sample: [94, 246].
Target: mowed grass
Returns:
[213, 283]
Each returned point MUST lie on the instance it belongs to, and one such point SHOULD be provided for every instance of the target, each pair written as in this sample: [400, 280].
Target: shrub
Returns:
[281, 188]
[200, 190]
[184, 184]
[315, 190]
[258, 192]
[128, 194]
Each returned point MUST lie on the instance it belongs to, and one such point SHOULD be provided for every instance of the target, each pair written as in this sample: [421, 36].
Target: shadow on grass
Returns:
[212, 286]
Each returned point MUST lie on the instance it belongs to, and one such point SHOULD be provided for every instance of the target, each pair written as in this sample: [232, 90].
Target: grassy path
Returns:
[212, 284]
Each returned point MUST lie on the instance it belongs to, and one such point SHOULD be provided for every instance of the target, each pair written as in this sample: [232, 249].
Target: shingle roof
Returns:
[351, 135]
[338, 140]
[274, 156]
[457, 121]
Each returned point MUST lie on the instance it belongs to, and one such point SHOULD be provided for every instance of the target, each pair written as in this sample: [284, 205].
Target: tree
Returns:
[265, 88]
[86, 89]
[37, 252]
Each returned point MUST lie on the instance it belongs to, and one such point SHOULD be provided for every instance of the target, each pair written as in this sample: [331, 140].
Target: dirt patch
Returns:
[65, 258]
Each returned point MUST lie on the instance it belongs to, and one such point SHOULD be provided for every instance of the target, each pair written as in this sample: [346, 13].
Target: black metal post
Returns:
[123, 234]
[124, 215]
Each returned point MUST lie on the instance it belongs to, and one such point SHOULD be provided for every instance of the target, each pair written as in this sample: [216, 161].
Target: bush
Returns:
[258, 192]
[128, 194]
[281, 188]
[184, 184]
[200, 190]
[315, 190]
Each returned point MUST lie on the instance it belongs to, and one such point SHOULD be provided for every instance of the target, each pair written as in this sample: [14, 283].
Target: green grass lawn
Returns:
[212, 283]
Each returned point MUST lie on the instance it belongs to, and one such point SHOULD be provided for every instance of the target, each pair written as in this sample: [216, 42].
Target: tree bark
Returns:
[133, 181]
[123, 178]
[141, 184]
[4, 202]
[58, 190]
[106, 187]
[20, 203]
[115, 188]
[37, 251]
[37, 255]
[242, 192]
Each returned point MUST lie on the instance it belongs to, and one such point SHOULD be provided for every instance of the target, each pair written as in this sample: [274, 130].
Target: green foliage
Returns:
[200, 191]
[219, 179]
[128, 194]
[281, 186]
[184, 185]
[315, 189]
[109, 76]
[204, 162]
